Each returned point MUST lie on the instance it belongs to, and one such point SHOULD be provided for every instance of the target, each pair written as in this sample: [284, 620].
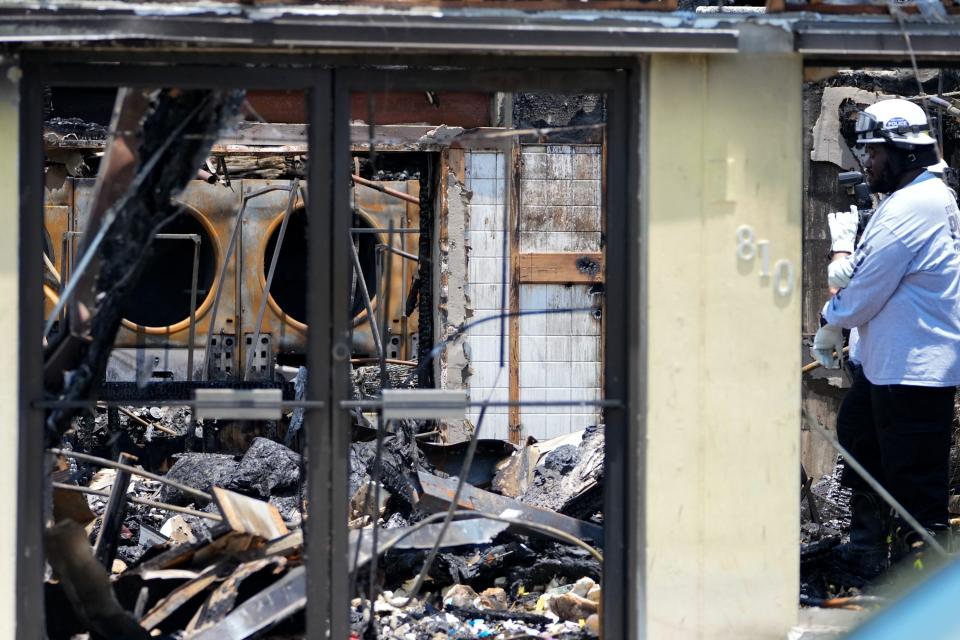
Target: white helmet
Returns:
[897, 121]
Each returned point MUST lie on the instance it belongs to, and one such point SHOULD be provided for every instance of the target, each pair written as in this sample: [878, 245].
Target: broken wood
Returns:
[514, 474]
[183, 594]
[111, 521]
[561, 268]
[280, 600]
[193, 554]
[438, 492]
[472, 613]
[249, 515]
[221, 601]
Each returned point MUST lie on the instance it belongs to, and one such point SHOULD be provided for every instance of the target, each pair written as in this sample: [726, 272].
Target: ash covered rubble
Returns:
[825, 525]
[208, 541]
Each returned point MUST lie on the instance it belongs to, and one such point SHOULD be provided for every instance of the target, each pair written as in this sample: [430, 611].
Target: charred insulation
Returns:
[549, 110]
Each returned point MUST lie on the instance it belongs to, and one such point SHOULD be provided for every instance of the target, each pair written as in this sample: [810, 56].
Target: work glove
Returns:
[843, 229]
[829, 338]
[839, 272]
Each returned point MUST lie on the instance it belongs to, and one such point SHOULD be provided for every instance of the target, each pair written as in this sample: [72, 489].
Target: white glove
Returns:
[829, 338]
[843, 229]
[839, 272]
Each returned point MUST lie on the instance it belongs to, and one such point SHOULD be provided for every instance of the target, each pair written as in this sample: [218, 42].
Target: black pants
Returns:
[901, 434]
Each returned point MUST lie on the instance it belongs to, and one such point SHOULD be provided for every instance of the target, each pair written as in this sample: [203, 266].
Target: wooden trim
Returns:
[513, 187]
[561, 268]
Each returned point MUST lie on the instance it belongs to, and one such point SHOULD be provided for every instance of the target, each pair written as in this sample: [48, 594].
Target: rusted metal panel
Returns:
[283, 329]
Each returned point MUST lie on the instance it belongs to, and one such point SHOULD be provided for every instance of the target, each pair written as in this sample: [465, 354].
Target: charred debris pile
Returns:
[192, 544]
[163, 524]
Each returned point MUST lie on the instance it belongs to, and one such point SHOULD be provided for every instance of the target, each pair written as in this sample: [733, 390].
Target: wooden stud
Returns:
[565, 267]
[513, 228]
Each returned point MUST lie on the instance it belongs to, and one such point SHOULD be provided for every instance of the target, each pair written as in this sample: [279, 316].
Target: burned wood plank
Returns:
[287, 545]
[513, 383]
[221, 601]
[277, 602]
[561, 268]
[249, 515]
[112, 519]
[192, 554]
[438, 492]
[472, 613]
[183, 594]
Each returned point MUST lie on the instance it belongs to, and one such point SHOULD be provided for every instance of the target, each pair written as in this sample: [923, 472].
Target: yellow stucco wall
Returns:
[9, 420]
[723, 388]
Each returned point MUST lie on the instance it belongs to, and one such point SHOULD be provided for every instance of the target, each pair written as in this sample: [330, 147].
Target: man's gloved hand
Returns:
[843, 229]
[829, 338]
[839, 272]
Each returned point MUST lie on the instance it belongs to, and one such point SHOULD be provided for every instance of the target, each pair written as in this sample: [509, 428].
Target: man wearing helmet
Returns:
[900, 289]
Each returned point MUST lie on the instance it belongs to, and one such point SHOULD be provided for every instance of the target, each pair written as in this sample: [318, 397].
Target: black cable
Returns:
[509, 314]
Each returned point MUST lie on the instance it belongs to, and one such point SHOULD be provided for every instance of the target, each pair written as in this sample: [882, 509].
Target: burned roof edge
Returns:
[368, 28]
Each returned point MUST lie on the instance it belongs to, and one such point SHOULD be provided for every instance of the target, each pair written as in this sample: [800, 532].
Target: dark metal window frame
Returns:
[328, 81]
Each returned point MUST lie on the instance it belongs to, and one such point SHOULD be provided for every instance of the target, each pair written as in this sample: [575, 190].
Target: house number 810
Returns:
[748, 248]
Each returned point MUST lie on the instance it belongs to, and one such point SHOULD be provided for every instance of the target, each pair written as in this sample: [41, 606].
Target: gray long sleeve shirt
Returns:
[904, 296]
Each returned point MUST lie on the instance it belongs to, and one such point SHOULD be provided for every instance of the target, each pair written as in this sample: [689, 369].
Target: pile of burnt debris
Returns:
[824, 526]
[152, 539]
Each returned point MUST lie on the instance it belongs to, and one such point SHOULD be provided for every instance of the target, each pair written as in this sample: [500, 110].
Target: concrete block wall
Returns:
[559, 359]
[560, 211]
[560, 354]
[560, 198]
[485, 173]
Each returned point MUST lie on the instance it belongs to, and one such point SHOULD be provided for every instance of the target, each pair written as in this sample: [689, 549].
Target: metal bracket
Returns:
[222, 349]
[238, 404]
[423, 404]
[260, 356]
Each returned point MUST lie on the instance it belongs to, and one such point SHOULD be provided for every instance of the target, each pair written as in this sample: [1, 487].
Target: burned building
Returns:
[408, 319]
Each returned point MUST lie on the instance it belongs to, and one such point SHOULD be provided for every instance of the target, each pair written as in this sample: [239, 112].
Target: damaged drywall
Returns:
[453, 305]
[828, 142]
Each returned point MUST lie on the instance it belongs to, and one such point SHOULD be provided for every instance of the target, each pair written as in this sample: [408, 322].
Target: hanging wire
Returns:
[898, 15]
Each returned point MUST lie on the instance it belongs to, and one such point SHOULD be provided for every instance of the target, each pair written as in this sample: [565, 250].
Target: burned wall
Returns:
[536, 357]
[827, 102]
[452, 304]
[549, 110]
